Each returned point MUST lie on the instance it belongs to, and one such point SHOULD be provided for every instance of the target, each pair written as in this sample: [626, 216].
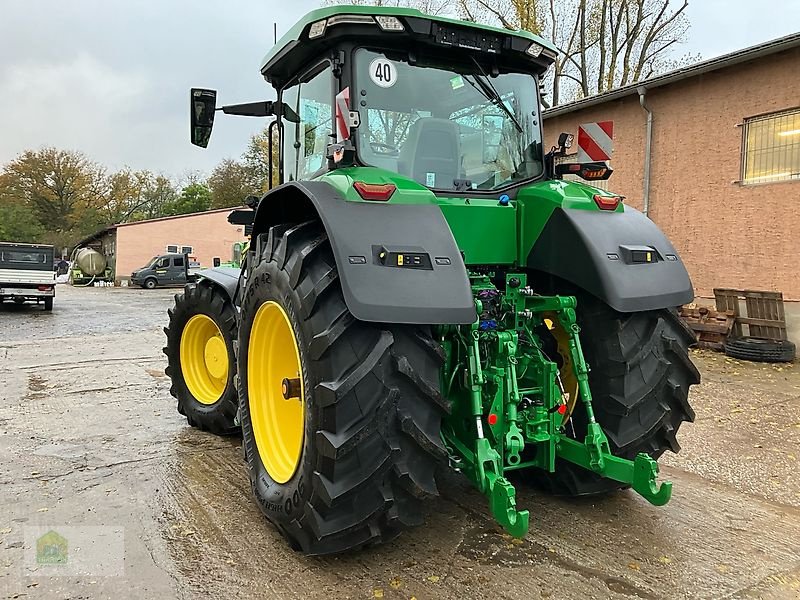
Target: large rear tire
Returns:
[370, 406]
[640, 378]
[201, 359]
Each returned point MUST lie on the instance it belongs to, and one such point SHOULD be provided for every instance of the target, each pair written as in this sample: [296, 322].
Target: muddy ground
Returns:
[89, 437]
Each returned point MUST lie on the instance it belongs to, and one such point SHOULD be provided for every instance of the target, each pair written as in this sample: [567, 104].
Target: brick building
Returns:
[204, 236]
[724, 163]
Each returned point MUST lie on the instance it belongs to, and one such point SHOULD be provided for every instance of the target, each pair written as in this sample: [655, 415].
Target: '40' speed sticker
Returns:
[383, 72]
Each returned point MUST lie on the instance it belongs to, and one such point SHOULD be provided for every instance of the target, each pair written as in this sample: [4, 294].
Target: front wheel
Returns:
[340, 418]
[640, 378]
[150, 284]
[200, 356]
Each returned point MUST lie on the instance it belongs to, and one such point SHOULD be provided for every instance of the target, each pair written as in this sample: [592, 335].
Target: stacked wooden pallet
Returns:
[711, 326]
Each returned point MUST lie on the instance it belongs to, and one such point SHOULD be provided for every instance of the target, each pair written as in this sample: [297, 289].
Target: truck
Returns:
[27, 274]
[89, 265]
[165, 270]
[424, 291]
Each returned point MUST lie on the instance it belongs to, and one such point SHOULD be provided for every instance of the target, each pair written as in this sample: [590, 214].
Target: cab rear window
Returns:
[23, 256]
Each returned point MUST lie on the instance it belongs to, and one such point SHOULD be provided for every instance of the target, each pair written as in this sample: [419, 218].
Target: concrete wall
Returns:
[209, 234]
[729, 235]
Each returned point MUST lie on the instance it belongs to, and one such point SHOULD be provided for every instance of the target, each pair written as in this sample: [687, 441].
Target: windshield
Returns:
[447, 129]
[151, 262]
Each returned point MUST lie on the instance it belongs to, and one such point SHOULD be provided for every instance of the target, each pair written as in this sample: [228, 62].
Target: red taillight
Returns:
[607, 202]
[45, 288]
[375, 191]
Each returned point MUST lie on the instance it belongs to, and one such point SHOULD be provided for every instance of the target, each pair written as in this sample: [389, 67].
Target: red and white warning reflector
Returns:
[343, 115]
[595, 141]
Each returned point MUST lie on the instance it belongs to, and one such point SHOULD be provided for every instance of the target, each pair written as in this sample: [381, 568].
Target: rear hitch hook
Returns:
[645, 472]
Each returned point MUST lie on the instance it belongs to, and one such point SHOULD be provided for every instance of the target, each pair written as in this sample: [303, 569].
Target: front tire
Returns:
[640, 378]
[150, 284]
[201, 361]
[371, 407]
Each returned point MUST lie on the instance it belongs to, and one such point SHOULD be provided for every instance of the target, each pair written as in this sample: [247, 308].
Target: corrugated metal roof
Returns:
[726, 60]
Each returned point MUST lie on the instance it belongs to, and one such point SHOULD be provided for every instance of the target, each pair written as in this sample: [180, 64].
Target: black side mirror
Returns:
[565, 142]
[201, 112]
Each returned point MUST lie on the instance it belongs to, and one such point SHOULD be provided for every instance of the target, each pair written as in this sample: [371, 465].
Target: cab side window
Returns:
[162, 263]
[305, 143]
[177, 262]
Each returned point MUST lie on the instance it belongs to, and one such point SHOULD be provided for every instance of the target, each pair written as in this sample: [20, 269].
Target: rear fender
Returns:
[225, 278]
[375, 290]
[598, 251]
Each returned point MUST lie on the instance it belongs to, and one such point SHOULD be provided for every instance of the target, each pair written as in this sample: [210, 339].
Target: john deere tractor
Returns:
[424, 290]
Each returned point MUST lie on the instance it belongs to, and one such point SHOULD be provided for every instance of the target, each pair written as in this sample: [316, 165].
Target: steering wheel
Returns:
[384, 149]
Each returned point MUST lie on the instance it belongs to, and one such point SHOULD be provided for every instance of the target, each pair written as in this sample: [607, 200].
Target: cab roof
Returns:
[277, 66]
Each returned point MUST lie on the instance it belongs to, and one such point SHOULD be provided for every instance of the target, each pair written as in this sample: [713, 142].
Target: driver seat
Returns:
[431, 154]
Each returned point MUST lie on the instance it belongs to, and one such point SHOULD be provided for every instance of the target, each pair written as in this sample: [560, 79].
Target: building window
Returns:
[186, 250]
[771, 148]
[172, 249]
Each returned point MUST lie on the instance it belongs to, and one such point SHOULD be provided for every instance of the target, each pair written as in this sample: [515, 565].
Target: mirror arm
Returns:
[250, 109]
[268, 108]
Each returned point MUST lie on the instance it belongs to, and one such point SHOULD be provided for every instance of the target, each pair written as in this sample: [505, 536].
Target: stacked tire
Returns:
[760, 349]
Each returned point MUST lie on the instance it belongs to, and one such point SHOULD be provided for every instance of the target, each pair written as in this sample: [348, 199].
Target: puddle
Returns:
[487, 546]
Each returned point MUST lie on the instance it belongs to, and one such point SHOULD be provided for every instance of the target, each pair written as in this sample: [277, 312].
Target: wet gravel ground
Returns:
[89, 438]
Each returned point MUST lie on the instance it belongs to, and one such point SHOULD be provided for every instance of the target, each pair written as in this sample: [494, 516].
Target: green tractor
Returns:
[424, 290]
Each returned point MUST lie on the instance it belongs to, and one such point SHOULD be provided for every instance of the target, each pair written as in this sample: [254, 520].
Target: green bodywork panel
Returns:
[294, 33]
[487, 232]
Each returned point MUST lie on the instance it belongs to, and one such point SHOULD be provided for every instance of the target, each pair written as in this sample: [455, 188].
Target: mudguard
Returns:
[226, 278]
[606, 253]
[376, 288]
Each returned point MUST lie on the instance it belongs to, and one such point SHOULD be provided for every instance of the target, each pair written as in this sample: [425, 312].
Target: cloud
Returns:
[78, 103]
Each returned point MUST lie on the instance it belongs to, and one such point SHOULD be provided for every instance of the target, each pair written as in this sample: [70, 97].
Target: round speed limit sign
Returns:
[383, 72]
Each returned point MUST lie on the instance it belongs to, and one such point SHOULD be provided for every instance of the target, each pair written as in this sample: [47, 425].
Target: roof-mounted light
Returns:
[534, 50]
[352, 19]
[317, 29]
[389, 23]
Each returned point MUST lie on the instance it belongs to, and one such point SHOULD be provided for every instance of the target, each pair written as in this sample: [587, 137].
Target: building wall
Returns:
[729, 235]
[209, 234]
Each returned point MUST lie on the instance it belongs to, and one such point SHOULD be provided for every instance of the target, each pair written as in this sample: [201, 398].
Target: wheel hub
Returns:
[216, 357]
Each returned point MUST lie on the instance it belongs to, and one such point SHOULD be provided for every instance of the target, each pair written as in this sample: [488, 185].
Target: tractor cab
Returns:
[451, 107]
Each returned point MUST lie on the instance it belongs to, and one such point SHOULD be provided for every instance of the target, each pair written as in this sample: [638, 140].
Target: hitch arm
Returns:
[641, 473]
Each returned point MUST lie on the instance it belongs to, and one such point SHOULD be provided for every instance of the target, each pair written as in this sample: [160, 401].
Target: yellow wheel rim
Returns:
[567, 370]
[275, 391]
[204, 359]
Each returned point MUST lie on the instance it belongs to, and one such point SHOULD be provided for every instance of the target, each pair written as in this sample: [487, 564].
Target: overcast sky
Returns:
[112, 78]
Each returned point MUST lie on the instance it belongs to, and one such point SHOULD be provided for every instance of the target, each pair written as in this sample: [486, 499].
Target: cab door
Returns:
[162, 269]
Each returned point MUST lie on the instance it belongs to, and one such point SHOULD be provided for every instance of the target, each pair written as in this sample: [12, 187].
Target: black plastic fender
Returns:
[376, 289]
[227, 278]
[605, 254]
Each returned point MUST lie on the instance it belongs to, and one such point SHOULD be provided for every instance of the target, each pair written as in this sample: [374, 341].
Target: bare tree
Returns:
[603, 44]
